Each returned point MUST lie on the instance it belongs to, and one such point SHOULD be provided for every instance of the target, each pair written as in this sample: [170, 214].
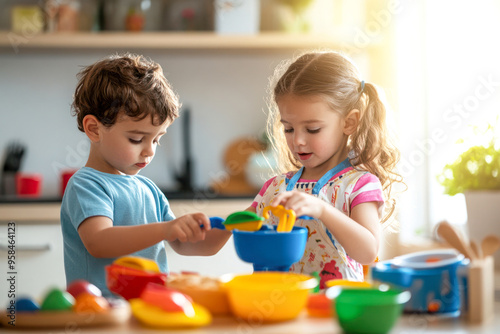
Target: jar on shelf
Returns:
[133, 15]
[62, 15]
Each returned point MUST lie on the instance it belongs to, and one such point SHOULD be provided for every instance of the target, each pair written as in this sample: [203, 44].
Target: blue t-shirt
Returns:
[127, 200]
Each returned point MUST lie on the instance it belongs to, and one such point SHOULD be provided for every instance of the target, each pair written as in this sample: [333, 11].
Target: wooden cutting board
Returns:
[118, 313]
[235, 162]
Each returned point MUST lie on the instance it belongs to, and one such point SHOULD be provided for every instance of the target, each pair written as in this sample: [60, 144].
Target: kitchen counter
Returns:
[303, 324]
[48, 210]
[171, 195]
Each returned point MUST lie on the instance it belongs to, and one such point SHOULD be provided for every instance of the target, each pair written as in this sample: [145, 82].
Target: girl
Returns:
[328, 129]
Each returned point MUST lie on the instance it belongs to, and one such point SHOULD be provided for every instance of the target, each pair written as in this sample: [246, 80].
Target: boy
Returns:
[124, 104]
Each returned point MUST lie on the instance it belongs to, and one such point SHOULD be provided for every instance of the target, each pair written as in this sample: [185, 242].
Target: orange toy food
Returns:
[319, 305]
[86, 302]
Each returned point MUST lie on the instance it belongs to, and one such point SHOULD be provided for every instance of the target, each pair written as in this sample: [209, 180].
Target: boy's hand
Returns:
[190, 227]
[301, 203]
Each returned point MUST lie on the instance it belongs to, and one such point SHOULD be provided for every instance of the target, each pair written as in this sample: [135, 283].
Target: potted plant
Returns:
[476, 174]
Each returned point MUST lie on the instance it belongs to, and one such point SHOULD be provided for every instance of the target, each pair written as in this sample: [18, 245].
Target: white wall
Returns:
[225, 91]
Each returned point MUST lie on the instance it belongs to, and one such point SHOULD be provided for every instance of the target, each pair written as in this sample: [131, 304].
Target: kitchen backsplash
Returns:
[225, 93]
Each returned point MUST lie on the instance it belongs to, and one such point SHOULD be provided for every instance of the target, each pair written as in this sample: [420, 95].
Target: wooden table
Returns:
[303, 324]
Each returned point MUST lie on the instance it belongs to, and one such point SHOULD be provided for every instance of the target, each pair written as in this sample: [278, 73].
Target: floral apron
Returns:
[323, 254]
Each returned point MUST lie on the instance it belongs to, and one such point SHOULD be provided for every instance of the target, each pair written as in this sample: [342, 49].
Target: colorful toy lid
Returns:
[242, 217]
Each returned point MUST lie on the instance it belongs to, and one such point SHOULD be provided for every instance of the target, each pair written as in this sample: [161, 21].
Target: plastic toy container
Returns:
[268, 296]
[129, 282]
[367, 310]
[432, 277]
[270, 250]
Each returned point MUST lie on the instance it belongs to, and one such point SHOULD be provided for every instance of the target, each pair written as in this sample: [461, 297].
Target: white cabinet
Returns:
[38, 262]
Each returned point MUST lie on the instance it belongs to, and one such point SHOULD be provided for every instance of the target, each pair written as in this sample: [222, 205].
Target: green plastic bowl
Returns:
[367, 310]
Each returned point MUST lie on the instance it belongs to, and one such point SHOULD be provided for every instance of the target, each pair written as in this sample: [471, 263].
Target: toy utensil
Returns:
[490, 245]
[450, 235]
[241, 220]
[286, 217]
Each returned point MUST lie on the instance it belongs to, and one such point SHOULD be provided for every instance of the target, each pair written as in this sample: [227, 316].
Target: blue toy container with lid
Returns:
[434, 279]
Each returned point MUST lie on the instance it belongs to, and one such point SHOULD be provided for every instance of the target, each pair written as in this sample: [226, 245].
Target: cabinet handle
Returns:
[27, 248]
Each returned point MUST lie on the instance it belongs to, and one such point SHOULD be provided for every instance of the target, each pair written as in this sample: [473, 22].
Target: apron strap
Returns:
[294, 179]
[328, 175]
[322, 181]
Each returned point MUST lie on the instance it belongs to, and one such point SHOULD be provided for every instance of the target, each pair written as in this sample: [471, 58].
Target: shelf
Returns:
[167, 41]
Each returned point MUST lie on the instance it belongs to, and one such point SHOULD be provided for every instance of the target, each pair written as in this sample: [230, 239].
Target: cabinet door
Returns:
[39, 263]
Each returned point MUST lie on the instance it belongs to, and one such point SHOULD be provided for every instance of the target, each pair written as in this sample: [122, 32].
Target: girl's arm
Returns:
[103, 240]
[359, 234]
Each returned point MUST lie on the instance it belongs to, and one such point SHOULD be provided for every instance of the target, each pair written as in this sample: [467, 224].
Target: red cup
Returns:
[28, 184]
[65, 176]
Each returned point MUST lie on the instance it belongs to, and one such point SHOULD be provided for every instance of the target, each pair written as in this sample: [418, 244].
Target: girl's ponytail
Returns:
[372, 144]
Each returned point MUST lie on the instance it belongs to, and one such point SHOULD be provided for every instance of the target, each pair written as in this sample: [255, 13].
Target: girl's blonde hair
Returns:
[333, 77]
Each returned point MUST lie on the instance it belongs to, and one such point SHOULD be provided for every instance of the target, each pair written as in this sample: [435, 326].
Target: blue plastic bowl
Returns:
[269, 250]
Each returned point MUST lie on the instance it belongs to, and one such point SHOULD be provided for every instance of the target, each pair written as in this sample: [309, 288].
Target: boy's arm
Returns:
[215, 239]
[103, 240]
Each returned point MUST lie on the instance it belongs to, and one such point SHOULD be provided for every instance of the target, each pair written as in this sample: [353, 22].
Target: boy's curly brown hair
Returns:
[129, 84]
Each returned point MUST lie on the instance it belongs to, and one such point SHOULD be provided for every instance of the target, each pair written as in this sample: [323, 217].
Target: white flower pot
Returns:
[483, 216]
[237, 16]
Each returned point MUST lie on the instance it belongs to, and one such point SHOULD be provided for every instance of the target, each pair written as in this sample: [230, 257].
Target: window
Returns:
[448, 78]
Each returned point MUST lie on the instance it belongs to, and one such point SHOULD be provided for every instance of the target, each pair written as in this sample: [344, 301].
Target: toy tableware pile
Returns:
[162, 307]
[204, 290]
[153, 304]
[127, 276]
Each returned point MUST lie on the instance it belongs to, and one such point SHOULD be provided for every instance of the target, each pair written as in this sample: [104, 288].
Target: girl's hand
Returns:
[301, 203]
[190, 227]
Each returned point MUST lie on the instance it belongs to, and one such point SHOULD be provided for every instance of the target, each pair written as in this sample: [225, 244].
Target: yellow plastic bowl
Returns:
[267, 296]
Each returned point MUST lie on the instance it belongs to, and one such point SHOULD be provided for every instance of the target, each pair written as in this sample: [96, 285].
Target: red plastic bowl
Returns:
[128, 282]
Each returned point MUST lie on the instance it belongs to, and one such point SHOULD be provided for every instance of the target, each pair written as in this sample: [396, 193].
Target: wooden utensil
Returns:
[119, 313]
[490, 245]
[476, 249]
[450, 235]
